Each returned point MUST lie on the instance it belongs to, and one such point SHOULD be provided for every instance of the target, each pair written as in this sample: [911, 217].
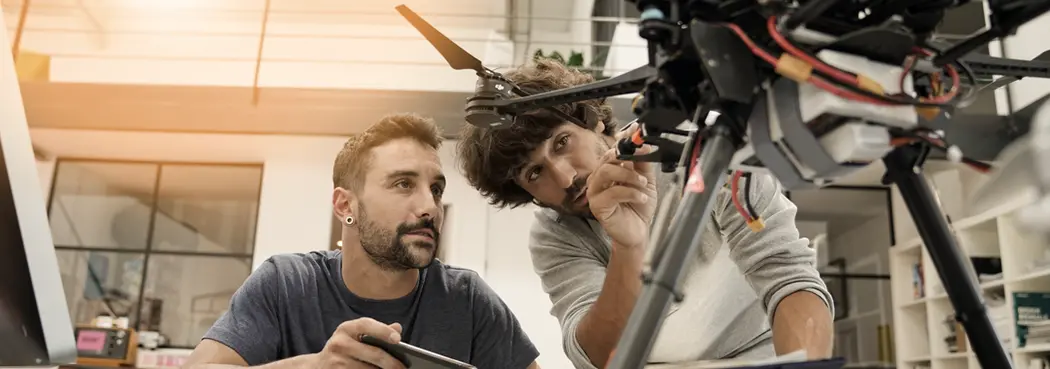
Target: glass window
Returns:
[208, 209]
[187, 293]
[102, 205]
[164, 244]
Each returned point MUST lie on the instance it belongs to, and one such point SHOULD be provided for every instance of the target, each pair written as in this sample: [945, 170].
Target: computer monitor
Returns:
[35, 329]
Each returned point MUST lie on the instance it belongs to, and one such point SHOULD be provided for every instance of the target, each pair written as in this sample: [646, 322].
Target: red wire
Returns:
[817, 64]
[952, 72]
[955, 87]
[816, 81]
[846, 77]
[733, 188]
[751, 44]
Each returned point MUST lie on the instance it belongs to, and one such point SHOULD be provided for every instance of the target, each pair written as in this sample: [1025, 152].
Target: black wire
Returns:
[944, 148]
[747, 196]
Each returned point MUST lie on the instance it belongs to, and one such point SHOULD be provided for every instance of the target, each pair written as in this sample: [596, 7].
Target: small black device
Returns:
[415, 357]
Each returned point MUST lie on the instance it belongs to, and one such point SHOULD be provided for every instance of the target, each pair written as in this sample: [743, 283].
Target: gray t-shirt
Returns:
[293, 303]
[732, 288]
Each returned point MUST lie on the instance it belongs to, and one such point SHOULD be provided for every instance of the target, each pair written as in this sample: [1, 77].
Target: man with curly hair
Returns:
[756, 295]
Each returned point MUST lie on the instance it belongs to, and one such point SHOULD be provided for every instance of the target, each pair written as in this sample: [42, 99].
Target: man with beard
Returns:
[754, 293]
[311, 310]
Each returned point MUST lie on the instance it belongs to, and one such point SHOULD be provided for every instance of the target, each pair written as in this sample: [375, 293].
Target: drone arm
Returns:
[987, 66]
[1005, 18]
[984, 136]
[629, 82]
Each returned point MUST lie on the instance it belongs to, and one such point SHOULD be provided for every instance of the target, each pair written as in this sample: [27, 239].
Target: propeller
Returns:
[460, 59]
[456, 57]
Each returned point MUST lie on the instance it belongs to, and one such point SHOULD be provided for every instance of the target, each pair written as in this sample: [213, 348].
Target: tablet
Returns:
[415, 357]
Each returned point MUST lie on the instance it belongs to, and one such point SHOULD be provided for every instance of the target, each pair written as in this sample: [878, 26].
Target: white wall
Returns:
[509, 268]
[630, 50]
[295, 211]
[868, 239]
[865, 247]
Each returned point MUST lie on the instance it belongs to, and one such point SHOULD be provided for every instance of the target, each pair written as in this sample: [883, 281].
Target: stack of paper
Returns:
[794, 357]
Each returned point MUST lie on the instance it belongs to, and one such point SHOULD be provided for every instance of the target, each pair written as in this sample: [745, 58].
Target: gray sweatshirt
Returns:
[728, 291]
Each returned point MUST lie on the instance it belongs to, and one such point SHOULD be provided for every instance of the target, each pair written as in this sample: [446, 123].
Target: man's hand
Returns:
[622, 196]
[345, 349]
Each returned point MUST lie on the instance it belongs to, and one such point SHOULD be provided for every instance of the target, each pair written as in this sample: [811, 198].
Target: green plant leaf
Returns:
[557, 56]
[575, 59]
[538, 55]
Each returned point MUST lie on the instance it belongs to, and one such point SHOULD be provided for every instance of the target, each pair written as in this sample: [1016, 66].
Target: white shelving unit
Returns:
[920, 313]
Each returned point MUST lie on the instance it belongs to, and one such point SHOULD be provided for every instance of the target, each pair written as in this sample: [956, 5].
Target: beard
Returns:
[388, 249]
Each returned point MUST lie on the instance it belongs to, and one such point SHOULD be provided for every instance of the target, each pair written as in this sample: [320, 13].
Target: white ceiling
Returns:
[116, 15]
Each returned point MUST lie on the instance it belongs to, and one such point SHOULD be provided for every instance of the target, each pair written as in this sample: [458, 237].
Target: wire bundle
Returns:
[803, 67]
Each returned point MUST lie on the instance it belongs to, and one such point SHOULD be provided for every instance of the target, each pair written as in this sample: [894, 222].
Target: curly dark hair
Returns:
[492, 157]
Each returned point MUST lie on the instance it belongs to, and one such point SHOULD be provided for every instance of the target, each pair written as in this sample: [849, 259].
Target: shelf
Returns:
[869, 365]
[913, 304]
[912, 245]
[1034, 349]
[1031, 277]
[983, 287]
[969, 222]
[919, 359]
[922, 328]
[954, 356]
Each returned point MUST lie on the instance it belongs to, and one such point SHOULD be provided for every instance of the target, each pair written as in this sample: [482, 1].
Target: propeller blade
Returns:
[456, 57]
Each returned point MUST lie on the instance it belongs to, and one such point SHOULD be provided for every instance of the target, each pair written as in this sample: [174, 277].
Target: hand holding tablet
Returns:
[414, 357]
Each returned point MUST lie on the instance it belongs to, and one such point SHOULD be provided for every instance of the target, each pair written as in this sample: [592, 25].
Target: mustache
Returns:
[422, 224]
[574, 191]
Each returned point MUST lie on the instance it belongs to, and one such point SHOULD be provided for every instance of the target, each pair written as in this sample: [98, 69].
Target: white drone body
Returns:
[782, 129]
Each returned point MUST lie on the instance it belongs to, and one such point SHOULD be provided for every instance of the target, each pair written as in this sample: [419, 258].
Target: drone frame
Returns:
[497, 101]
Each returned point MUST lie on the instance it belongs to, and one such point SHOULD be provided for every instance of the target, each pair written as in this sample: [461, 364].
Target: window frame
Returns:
[148, 251]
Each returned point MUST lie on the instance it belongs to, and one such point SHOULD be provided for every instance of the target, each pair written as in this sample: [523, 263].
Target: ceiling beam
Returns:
[99, 30]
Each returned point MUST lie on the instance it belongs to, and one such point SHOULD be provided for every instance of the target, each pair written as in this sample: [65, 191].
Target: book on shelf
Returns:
[918, 281]
[955, 339]
[1032, 314]
[885, 332]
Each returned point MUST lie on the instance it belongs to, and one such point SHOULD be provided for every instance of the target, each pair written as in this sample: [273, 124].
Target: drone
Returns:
[808, 91]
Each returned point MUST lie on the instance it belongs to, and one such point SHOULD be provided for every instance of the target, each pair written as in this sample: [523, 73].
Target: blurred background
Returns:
[180, 143]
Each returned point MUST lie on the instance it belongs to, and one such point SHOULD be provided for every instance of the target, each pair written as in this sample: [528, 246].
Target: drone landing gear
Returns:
[674, 251]
[944, 251]
[682, 243]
